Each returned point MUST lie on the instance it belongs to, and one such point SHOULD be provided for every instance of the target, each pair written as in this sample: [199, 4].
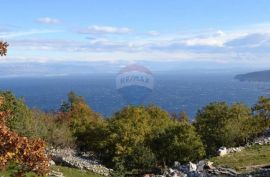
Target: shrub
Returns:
[80, 118]
[219, 124]
[141, 158]
[27, 154]
[262, 109]
[20, 118]
[53, 132]
[125, 138]
[179, 142]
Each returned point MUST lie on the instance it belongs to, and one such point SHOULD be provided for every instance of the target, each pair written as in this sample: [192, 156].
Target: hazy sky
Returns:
[222, 31]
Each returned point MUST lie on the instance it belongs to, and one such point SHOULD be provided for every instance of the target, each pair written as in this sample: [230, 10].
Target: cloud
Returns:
[215, 39]
[153, 33]
[247, 45]
[250, 40]
[48, 21]
[13, 34]
[95, 29]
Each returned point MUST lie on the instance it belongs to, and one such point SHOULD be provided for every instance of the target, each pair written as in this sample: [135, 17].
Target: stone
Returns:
[71, 158]
[171, 170]
[222, 151]
[176, 164]
[51, 163]
[200, 166]
[56, 174]
[192, 167]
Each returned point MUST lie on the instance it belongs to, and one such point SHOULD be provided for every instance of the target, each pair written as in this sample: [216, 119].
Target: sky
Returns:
[219, 31]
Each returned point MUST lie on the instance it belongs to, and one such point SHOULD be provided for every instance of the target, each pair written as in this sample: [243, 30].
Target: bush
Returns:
[20, 118]
[27, 154]
[94, 138]
[141, 158]
[133, 126]
[139, 138]
[219, 124]
[80, 118]
[262, 109]
[53, 132]
[179, 142]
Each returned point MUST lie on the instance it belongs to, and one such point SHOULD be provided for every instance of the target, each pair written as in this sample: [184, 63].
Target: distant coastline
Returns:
[259, 76]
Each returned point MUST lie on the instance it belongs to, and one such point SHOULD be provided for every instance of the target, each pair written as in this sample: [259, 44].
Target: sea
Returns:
[173, 92]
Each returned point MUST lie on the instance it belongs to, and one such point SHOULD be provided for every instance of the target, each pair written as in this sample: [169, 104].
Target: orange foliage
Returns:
[3, 48]
[28, 154]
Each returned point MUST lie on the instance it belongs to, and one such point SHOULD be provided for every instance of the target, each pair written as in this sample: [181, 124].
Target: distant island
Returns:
[260, 76]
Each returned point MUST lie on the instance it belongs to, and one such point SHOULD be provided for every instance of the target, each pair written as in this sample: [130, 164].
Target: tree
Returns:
[72, 100]
[49, 129]
[79, 117]
[220, 124]
[27, 154]
[262, 109]
[130, 132]
[210, 122]
[180, 142]
[182, 116]
[20, 118]
[238, 128]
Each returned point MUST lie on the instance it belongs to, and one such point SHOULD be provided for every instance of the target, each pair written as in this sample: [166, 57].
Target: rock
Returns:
[200, 166]
[70, 157]
[51, 163]
[209, 165]
[176, 164]
[171, 170]
[235, 149]
[192, 167]
[56, 174]
[222, 151]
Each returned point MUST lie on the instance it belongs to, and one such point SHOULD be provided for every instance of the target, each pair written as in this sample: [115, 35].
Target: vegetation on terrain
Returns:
[246, 160]
[67, 172]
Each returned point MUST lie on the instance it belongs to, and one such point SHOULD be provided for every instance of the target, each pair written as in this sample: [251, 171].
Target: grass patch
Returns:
[68, 172]
[72, 172]
[246, 160]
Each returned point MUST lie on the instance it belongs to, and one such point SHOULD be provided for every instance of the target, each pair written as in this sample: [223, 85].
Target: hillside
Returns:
[66, 171]
[260, 76]
[247, 160]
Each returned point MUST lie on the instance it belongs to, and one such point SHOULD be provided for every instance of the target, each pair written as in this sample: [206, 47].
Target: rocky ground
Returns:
[72, 158]
[203, 168]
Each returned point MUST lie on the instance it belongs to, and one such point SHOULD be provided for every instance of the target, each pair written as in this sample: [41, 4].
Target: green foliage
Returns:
[241, 125]
[182, 116]
[67, 171]
[121, 140]
[134, 126]
[128, 140]
[141, 157]
[20, 118]
[53, 132]
[210, 123]
[179, 142]
[137, 137]
[262, 110]
[78, 114]
[247, 160]
[85, 125]
[222, 125]
[94, 138]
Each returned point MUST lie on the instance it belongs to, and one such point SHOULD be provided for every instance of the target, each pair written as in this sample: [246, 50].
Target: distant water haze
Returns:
[37, 69]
